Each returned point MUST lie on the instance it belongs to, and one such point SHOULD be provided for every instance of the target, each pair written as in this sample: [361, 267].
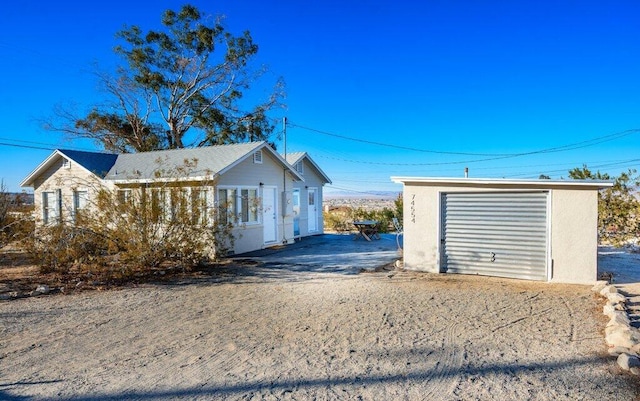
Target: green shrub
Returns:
[343, 221]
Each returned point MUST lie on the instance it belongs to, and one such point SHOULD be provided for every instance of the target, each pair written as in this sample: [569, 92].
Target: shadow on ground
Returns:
[305, 384]
[328, 253]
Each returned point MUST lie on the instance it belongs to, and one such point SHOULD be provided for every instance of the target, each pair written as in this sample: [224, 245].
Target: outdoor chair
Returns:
[399, 231]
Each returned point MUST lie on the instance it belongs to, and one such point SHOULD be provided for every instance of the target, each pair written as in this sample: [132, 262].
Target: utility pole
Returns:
[284, 135]
[284, 181]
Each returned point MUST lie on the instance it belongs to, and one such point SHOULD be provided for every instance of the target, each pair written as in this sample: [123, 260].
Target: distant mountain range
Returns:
[361, 195]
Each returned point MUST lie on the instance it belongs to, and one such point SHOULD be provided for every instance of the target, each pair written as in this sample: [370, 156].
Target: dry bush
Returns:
[118, 238]
[16, 219]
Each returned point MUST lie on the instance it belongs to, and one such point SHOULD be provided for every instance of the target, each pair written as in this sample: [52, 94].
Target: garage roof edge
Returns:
[503, 181]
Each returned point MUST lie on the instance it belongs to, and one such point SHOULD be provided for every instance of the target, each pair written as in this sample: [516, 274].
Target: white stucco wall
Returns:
[421, 228]
[573, 234]
[312, 179]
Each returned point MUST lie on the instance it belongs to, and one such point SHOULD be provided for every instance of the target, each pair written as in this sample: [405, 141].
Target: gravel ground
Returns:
[279, 335]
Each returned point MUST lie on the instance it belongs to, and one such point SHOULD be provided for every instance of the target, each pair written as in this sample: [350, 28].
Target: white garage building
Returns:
[527, 229]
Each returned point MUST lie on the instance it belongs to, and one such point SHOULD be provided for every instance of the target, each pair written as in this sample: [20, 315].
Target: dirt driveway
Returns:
[259, 332]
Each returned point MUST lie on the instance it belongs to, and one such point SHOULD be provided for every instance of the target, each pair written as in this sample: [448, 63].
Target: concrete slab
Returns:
[329, 253]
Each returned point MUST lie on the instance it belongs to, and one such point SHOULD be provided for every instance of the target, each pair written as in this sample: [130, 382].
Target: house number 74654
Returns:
[413, 208]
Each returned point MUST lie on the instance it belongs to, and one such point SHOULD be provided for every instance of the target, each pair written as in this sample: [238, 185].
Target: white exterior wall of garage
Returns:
[567, 244]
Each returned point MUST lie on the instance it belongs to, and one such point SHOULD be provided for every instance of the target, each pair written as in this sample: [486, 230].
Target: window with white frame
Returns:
[49, 207]
[240, 203]
[158, 205]
[124, 196]
[227, 205]
[199, 205]
[300, 167]
[80, 201]
[248, 205]
[178, 203]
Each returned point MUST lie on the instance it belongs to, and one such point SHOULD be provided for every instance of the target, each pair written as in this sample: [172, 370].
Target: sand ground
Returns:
[260, 335]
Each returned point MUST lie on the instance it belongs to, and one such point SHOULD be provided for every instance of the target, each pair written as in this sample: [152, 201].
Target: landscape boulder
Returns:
[626, 361]
[608, 289]
[615, 297]
[619, 336]
[599, 286]
[615, 351]
[608, 309]
[619, 318]
[43, 289]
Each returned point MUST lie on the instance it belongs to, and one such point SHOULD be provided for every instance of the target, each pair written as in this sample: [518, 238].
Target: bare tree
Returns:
[189, 77]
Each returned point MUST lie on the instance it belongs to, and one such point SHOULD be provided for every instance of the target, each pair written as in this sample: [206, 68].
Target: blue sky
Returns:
[484, 78]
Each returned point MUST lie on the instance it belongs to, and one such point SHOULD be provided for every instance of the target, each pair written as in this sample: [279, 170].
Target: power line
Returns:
[45, 146]
[388, 145]
[493, 156]
[25, 146]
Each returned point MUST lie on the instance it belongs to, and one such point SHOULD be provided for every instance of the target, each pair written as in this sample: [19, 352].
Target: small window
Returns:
[257, 157]
[158, 205]
[249, 205]
[124, 196]
[199, 205]
[227, 205]
[179, 204]
[49, 208]
[300, 167]
[80, 200]
[66, 163]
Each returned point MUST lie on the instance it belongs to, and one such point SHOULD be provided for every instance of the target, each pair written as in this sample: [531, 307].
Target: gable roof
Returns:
[174, 164]
[293, 158]
[97, 163]
[94, 162]
[209, 162]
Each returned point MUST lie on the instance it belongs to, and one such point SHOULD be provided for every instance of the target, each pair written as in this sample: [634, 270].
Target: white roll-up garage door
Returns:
[495, 234]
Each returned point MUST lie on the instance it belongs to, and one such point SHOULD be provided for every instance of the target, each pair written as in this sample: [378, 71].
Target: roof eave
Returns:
[28, 181]
[315, 165]
[161, 180]
[504, 182]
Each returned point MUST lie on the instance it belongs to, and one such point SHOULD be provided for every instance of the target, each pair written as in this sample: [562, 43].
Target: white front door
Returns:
[313, 210]
[269, 214]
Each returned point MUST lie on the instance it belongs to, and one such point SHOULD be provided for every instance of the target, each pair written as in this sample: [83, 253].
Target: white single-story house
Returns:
[527, 229]
[256, 183]
[307, 195]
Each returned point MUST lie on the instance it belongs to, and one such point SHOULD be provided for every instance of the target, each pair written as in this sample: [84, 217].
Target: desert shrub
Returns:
[58, 248]
[121, 236]
[336, 222]
[343, 220]
[399, 205]
[16, 219]
[383, 217]
[618, 206]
